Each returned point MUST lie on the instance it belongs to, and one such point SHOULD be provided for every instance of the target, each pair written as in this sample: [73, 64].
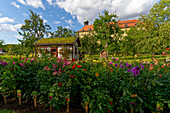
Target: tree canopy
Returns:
[33, 30]
[107, 29]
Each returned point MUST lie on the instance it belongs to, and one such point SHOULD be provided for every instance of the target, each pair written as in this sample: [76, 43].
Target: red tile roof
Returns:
[122, 24]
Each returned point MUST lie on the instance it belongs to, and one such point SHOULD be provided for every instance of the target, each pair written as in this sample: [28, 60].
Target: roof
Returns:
[121, 24]
[58, 41]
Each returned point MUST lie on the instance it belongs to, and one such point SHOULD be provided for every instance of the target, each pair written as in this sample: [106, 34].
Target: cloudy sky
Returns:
[66, 13]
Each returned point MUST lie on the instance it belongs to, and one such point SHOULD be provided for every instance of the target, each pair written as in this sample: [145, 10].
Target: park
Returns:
[111, 66]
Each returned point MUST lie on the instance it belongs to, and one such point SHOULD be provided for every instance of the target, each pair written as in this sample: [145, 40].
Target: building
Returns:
[124, 25]
[54, 46]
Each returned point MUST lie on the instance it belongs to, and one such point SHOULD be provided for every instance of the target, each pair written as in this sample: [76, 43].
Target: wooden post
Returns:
[5, 101]
[50, 107]
[72, 52]
[35, 103]
[86, 107]
[67, 106]
[132, 110]
[19, 100]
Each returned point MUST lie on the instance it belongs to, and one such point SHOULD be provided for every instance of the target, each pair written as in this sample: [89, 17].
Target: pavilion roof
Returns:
[57, 41]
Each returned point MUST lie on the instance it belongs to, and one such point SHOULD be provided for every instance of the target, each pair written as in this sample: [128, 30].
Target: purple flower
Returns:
[21, 64]
[121, 65]
[135, 71]
[133, 104]
[129, 70]
[116, 65]
[31, 61]
[142, 66]
[137, 68]
[13, 63]
[4, 63]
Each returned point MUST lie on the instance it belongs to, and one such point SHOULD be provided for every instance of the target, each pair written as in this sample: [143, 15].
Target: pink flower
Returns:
[13, 63]
[112, 57]
[116, 59]
[21, 64]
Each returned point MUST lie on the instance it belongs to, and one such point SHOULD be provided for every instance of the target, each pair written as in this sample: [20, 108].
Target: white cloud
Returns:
[22, 2]
[57, 22]
[14, 4]
[57, 15]
[41, 17]
[45, 21]
[51, 15]
[9, 27]
[68, 27]
[6, 20]
[18, 36]
[33, 3]
[74, 17]
[50, 2]
[25, 15]
[62, 18]
[69, 22]
[0, 14]
[126, 9]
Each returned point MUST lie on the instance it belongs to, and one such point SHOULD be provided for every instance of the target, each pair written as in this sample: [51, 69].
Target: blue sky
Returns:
[66, 13]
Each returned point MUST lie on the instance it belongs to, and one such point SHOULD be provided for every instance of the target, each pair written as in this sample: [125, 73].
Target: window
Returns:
[125, 25]
[75, 50]
[89, 29]
[53, 50]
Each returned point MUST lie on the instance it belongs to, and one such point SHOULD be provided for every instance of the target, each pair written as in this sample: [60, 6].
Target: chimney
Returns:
[86, 22]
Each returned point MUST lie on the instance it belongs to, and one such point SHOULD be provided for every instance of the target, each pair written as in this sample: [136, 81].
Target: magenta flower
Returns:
[21, 64]
[4, 63]
[31, 61]
[1, 60]
[116, 59]
[129, 70]
[133, 104]
[112, 57]
[13, 63]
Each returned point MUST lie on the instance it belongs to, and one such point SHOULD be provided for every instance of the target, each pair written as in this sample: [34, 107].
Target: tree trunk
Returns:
[89, 53]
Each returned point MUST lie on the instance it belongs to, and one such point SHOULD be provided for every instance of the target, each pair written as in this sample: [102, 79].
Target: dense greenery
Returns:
[33, 30]
[63, 32]
[103, 85]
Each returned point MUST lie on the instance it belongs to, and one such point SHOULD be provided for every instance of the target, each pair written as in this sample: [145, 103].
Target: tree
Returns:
[33, 30]
[156, 27]
[107, 29]
[63, 32]
[2, 42]
[89, 43]
[132, 40]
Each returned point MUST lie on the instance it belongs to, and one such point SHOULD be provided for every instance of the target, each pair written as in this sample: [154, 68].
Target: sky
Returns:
[67, 13]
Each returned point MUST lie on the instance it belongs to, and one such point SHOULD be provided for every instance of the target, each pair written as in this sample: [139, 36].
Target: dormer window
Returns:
[82, 30]
[125, 25]
[89, 29]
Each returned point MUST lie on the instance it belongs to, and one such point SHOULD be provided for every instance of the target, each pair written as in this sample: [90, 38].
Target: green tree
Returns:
[107, 29]
[33, 30]
[131, 41]
[156, 27]
[89, 43]
[63, 32]
[2, 42]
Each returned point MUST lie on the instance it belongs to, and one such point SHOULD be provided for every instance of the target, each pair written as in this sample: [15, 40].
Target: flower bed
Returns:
[99, 85]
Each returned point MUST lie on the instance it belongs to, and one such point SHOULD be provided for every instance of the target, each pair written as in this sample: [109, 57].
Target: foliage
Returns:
[33, 30]
[65, 52]
[2, 42]
[107, 29]
[89, 43]
[155, 27]
[63, 32]
[103, 85]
